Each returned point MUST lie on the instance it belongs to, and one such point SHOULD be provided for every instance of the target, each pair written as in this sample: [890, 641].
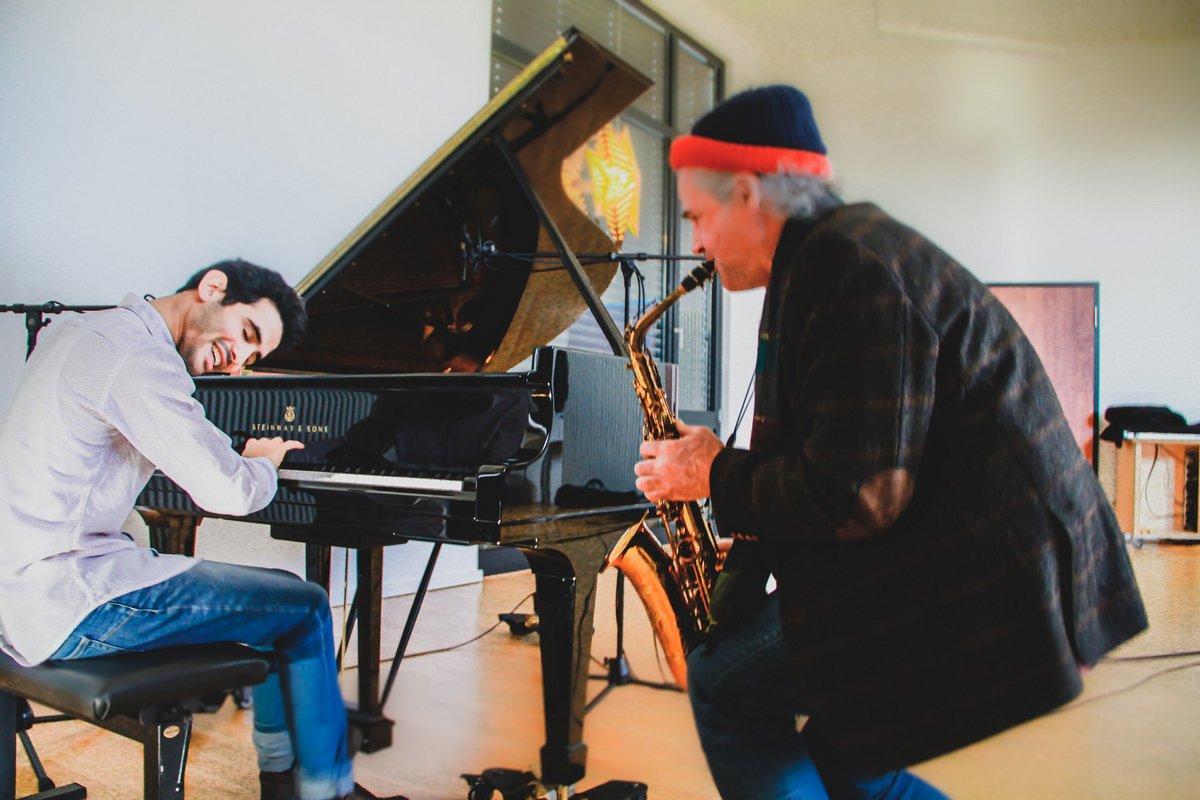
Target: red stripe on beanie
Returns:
[698, 151]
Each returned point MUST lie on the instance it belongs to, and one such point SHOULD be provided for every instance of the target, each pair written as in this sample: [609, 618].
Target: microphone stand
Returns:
[617, 670]
[35, 318]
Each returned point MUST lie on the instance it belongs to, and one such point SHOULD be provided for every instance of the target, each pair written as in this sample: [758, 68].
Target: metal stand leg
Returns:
[619, 673]
[16, 717]
[43, 780]
[165, 758]
[8, 745]
[411, 622]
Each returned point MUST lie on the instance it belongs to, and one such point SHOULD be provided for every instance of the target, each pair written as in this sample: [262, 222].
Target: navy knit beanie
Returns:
[764, 130]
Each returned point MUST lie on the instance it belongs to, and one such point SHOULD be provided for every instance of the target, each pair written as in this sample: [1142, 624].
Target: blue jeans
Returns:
[299, 713]
[746, 700]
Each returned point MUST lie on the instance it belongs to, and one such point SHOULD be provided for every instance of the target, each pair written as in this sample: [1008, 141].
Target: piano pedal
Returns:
[520, 624]
[615, 790]
[510, 783]
[515, 785]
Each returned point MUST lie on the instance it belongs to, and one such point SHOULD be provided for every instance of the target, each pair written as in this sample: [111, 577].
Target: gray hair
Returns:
[793, 194]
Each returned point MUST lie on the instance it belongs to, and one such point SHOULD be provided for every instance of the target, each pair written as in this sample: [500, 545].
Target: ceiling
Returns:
[1053, 22]
[765, 30]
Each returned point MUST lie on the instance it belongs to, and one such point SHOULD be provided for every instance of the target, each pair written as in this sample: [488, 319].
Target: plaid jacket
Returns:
[945, 557]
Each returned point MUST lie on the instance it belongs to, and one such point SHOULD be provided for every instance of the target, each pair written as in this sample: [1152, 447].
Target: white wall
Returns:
[1083, 166]
[140, 141]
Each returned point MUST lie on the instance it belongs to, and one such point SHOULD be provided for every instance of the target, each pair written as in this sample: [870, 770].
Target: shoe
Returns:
[359, 793]
[277, 785]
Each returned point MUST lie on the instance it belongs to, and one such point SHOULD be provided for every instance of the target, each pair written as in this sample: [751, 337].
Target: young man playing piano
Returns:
[104, 400]
[946, 560]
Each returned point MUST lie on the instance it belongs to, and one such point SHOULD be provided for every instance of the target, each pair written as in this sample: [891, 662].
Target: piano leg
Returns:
[316, 563]
[565, 604]
[368, 717]
[171, 532]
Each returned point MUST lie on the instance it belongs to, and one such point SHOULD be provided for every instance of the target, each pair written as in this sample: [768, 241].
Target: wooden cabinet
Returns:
[1156, 486]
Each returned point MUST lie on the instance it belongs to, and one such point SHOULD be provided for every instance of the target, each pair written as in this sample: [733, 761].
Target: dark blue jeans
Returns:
[299, 712]
[746, 702]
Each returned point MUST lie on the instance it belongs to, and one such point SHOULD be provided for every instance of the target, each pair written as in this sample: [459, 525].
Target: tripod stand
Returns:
[617, 671]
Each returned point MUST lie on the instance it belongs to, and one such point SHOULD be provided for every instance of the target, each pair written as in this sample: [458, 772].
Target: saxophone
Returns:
[674, 583]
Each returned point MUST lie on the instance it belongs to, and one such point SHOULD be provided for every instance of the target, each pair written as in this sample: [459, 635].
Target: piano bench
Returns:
[148, 697]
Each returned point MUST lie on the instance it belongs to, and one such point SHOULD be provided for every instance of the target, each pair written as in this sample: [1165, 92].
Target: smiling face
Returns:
[220, 338]
[738, 235]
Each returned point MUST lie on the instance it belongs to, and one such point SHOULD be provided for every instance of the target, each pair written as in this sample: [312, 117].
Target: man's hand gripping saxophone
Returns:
[677, 469]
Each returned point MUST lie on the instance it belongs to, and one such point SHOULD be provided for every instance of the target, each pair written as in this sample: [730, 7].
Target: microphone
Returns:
[474, 255]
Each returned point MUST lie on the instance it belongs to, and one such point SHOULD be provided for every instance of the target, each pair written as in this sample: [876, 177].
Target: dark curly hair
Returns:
[249, 283]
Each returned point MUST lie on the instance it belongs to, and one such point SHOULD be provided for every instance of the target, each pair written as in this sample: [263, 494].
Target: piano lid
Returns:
[406, 290]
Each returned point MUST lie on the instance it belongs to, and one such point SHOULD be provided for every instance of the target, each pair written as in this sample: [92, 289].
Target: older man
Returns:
[946, 561]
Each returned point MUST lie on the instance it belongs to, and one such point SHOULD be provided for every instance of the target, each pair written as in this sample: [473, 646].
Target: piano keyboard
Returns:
[318, 479]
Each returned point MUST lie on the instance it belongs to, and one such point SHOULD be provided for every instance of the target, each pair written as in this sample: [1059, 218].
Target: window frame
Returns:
[666, 129]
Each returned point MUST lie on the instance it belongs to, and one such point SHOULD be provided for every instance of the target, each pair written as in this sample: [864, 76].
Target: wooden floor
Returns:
[1134, 734]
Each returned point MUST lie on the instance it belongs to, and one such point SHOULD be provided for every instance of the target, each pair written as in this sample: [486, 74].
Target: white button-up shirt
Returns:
[104, 399]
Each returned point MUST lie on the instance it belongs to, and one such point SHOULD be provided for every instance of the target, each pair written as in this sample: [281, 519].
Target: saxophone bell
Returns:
[675, 582]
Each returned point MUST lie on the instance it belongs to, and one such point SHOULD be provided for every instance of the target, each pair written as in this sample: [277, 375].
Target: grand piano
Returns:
[424, 390]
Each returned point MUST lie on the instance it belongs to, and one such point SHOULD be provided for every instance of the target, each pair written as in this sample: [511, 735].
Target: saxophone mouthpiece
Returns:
[698, 276]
